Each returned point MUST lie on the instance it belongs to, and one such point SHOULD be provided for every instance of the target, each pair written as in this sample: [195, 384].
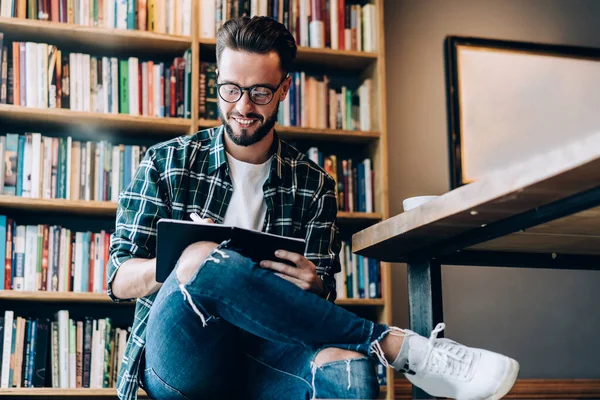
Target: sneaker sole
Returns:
[508, 382]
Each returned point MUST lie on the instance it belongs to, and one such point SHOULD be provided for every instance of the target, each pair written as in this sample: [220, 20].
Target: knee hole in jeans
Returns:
[330, 354]
[192, 259]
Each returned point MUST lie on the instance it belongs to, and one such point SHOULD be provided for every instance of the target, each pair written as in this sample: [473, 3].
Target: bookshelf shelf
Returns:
[54, 392]
[101, 298]
[79, 207]
[44, 296]
[109, 208]
[90, 121]
[360, 302]
[296, 132]
[50, 392]
[359, 216]
[353, 60]
[118, 41]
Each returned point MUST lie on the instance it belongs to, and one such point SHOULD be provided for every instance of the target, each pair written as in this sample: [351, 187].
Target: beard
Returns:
[244, 137]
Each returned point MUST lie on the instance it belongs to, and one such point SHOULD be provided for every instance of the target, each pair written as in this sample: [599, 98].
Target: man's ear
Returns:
[285, 88]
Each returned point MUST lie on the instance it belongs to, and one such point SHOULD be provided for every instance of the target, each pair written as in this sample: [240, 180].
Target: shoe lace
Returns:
[376, 346]
[447, 356]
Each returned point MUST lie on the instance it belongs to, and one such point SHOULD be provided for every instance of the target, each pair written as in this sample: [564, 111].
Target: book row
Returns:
[56, 259]
[41, 75]
[162, 16]
[52, 258]
[37, 166]
[311, 101]
[360, 277]
[335, 24]
[60, 353]
[66, 353]
[354, 179]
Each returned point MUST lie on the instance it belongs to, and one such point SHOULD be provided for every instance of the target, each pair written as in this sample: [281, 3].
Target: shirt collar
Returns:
[217, 156]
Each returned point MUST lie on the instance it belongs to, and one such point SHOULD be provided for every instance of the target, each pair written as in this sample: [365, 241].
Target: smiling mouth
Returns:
[245, 122]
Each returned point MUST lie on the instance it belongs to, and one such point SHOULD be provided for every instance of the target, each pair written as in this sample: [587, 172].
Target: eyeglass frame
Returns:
[248, 89]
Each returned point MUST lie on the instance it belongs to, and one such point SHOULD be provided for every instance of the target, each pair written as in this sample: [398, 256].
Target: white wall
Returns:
[546, 319]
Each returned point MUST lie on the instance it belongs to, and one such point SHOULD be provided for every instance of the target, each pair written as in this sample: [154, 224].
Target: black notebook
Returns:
[173, 236]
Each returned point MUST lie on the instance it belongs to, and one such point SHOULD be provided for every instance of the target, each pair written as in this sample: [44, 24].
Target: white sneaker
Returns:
[449, 369]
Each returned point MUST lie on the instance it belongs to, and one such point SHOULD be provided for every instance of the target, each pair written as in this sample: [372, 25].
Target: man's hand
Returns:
[303, 275]
[196, 218]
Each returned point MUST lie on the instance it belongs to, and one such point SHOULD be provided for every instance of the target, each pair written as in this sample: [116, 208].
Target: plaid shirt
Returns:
[190, 174]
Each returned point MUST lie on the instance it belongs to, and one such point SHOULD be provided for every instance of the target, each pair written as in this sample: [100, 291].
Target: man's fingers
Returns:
[297, 259]
[281, 267]
[305, 277]
[196, 218]
[301, 284]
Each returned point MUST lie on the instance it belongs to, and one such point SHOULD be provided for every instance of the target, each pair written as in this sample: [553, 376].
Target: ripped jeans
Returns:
[236, 330]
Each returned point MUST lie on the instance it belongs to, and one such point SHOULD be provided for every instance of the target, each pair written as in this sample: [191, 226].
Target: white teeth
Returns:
[244, 121]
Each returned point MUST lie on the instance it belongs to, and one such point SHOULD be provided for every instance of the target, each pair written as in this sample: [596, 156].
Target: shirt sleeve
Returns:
[139, 208]
[322, 235]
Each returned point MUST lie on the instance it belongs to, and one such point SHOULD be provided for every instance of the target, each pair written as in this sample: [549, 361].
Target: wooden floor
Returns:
[564, 389]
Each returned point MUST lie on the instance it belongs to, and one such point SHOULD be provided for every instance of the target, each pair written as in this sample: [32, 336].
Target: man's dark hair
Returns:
[258, 35]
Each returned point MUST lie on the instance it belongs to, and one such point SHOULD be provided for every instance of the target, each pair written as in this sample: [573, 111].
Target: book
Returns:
[173, 236]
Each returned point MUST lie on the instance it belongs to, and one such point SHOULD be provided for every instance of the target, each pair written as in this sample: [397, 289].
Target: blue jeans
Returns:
[236, 330]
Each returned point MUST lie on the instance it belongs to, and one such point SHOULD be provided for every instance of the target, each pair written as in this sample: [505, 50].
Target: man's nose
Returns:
[244, 105]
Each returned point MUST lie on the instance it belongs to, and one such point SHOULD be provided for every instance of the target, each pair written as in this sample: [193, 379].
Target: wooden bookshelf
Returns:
[66, 297]
[359, 216]
[166, 127]
[380, 164]
[70, 297]
[78, 207]
[109, 208]
[54, 392]
[298, 132]
[51, 392]
[321, 134]
[123, 43]
[89, 122]
[353, 60]
[113, 41]
[361, 302]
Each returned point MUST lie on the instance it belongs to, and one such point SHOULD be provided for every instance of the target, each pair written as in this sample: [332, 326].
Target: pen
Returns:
[195, 217]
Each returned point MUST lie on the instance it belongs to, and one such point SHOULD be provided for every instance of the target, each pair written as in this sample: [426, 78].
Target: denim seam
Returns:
[165, 384]
[203, 309]
[278, 370]
[165, 297]
[242, 315]
[371, 330]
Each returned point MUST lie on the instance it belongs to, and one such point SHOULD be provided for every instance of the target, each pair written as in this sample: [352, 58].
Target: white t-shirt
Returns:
[247, 207]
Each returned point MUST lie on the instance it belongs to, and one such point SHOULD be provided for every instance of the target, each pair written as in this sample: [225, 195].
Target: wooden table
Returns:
[541, 213]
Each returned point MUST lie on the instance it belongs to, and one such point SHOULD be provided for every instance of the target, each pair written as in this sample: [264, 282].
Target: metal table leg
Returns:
[424, 301]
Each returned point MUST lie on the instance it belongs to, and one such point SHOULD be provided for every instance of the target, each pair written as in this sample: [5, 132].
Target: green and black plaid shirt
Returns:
[190, 174]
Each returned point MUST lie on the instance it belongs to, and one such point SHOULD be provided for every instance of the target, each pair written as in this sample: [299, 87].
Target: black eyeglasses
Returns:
[260, 95]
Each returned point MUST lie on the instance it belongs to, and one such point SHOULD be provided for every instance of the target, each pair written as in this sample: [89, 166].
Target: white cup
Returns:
[413, 202]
